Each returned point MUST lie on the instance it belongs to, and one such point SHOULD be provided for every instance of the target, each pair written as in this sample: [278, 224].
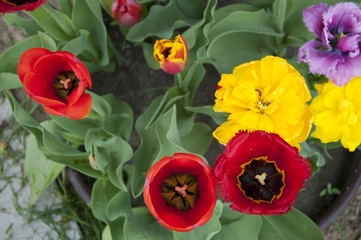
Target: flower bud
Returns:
[171, 55]
[126, 12]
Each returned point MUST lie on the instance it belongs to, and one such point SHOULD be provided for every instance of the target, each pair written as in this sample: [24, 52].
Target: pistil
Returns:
[261, 178]
[182, 190]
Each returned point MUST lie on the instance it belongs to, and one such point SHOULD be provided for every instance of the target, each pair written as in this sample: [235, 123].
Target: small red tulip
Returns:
[126, 12]
[180, 192]
[260, 173]
[171, 55]
[8, 6]
[56, 80]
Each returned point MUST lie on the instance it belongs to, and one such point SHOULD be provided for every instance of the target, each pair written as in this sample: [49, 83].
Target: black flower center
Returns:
[65, 83]
[166, 52]
[337, 36]
[261, 180]
[180, 190]
[19, 2]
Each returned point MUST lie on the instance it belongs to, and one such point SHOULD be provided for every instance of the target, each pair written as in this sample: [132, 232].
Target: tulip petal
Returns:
[28, 60]
[39, 90]
[79, 110]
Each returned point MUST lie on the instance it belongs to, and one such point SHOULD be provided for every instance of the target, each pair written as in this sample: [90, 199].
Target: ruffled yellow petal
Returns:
[267, 95]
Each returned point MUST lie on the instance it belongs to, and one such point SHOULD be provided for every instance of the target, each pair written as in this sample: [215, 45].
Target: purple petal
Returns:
[312, 17]
[339, 68]
[343, 16]
[350, 44]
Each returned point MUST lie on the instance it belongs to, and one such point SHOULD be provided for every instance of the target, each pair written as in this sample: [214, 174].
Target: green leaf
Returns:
[199, 139]
[176, 14]
[57, 24]
[205, 232]
[10, 58]
[238, 224]
[111, 152]
[9, 81]
[258, 22]
[100, 106]
[148, 50]
[280, 9]
[29, 25]
[66, 6]
[79, 45]
[52, 145]
[120, 122]
[292, 225]
[316, 158]
[40, 177]
[87, 16]
[218, 117]
[47, 42]
[242, 47]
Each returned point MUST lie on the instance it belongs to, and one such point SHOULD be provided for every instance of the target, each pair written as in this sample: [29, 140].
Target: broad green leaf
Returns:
[9, 81]
[280, 10]
[218, 117]
[87, 16]
[238, 224]
[29, 25]
[292, 225]
[148, 50]
[197, 35]
[10, 58]
[52, 145]
[225, 11]
[66, 7]
[205, 232]
[47, 42]
[242, 21]
[176, 14]
[120, 122]
[316, 158]
[100, 106]
[199, 139]
[147, 150]
[111, 152]
[57, 24]
[40, 171]
[241, 47]
[79, 45]
[171, 96]
[193, 77]
[106, 235]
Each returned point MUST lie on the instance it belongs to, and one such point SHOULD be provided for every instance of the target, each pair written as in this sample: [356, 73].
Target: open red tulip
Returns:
[56, 80]
[8, 6]
[260, 173]
[180, 192]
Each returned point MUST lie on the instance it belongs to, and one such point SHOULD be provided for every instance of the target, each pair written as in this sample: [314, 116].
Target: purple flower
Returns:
[336, 51]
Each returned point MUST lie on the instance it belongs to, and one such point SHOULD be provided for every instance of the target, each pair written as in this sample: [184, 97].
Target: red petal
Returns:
[8, 8]
[50, 65]
[77, 67]
[173, 67]
[28, 60]
[242, 149]
[169, 216]
[39, 90]
[79, 110]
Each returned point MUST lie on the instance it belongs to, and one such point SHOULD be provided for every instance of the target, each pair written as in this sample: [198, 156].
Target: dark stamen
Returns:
[180, 190]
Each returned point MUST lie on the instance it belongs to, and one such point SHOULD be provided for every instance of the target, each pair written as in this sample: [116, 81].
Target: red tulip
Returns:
[171, 55]
[126, 12]
[8, 6]
[180, 192]
[260, 173]
[57, 81]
